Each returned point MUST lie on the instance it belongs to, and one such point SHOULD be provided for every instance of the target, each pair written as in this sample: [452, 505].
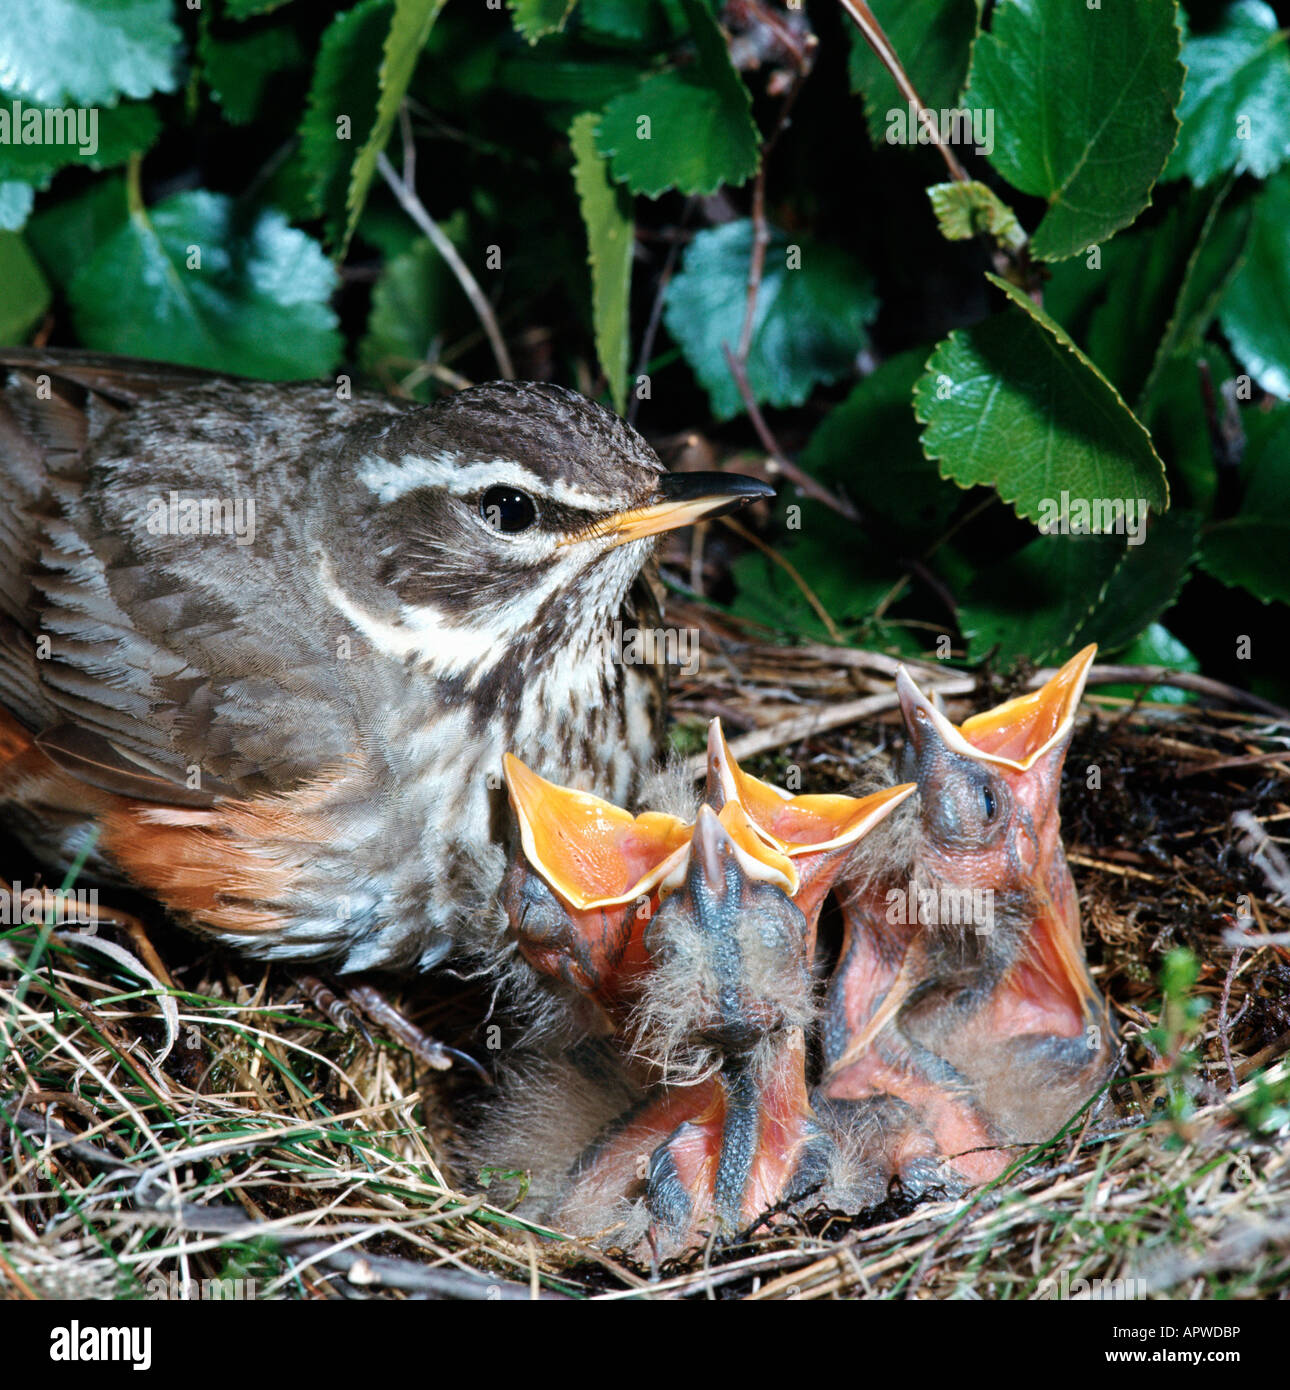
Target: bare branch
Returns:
[415, 209]
[796, 475]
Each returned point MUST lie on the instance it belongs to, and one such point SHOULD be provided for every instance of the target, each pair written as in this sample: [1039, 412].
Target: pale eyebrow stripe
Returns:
[390, 481]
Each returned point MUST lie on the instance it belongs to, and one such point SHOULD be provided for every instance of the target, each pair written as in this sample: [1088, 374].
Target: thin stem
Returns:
[798, 477]
[802, 54]
[415, 209]
[134, 186]
[881, 45]
[793, 573]
[757, 260]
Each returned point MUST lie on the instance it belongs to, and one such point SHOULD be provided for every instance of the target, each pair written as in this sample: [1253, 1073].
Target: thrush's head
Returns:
[511, 510]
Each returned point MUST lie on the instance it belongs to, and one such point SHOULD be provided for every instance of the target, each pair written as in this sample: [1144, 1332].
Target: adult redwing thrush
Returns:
[961, 1012]
[696, 938]
[291, 732]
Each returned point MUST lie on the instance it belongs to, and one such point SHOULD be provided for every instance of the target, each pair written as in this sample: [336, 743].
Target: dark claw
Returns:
[427, 1050]
[465, 1057]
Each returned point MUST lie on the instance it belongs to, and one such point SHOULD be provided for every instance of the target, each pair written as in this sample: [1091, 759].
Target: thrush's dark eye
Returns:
[507, 509]
[991, 806]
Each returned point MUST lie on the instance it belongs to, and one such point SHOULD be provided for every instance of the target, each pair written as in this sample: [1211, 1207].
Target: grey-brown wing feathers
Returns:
[140, 653]
[96, 761]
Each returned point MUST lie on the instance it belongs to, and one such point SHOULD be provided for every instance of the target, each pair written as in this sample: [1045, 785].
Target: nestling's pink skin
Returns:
[585, 877]
[731, 978]
[696, 941]
[988, 1033]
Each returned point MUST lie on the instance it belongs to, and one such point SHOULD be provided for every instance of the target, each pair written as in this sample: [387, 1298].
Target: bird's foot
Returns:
[427, 1050]
[346, 1003]
[335, 1009]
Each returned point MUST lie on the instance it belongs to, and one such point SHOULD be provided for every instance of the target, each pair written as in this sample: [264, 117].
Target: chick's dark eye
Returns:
[507, 509]
[991, 805]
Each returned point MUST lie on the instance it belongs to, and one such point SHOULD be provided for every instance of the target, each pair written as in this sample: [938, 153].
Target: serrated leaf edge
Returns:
[1059, 334]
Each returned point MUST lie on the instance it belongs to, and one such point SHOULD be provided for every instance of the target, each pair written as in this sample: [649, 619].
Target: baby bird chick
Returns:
[962, 1012]
[690, 1119]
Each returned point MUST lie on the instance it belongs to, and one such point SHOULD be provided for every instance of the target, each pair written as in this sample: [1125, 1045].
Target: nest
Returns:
[178, 1122]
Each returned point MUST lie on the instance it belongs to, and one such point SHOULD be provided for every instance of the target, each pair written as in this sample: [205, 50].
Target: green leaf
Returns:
[409, 30]
[1083, 102]
[607, 215]
[16, 199]
[868, 448]
[687, 128]
[116, 134]
[1164, 289]
[933, 40]
[414, 303]
[1255, 311]
[564, 84]
[1176, 416]
[1234, 105]
[402, 324]
[1013, 404]
[675, 131]
[341, 108]
[1147, 581]
[1034, 603]
[24, 293]
[1154, 291]
[1250, 548]
[257, 305]
[808, 326]
[87, 52]
[610, 232]
[1220, 252]
[627, 21]
[65, 235]
[1156, 647]
[1075, 288]
[965, 210]
[365, 62]
[239, 70]
[537, 18]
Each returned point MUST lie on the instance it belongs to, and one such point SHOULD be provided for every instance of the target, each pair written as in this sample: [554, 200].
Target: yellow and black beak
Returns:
[681, 500]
